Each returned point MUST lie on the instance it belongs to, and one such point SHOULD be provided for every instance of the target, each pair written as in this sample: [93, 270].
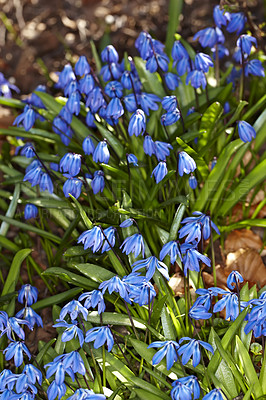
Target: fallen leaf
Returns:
[244, 238]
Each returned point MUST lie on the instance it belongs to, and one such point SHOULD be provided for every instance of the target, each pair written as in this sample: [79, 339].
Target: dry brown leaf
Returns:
[244, 238]
[237, 212]
[176, 283]
[221, 278]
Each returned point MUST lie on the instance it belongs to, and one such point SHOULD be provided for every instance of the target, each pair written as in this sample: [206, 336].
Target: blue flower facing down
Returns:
[197, 79]
[73, 308]
[101, 153]
[255, 68]
[172, 80]
[208, 37]
[30, 316]
[142, 293]
[234, 279]
[186, 164]
[16, 349]
[46, 183]
[88, 145]
[86, 394]
[162, 150]
[92, 238]
[236, 23]
[100, 336]
[168, 349]
[27, 118]
[179, 51]
[125, 224]
[246, 131]
[72, 186]
[230, 302]
[133, 244]
[30, 211]
[192, 383]
[109, 55]
[28, 150]
[137, 123]
[97, 182]
[160, 171]
[191, 258]
[181, 391]
[171, 249]
[82, 66]
[71, 331]
[214, 394]
[148, 145]
[151, 264]
[132, 159]
[245, 43]
[169, 103]
[93, 299]
[203, 62]
[192, 350]
[220, 16]
[116, 285]
[27, 293]
[199, 312]
[193, 183]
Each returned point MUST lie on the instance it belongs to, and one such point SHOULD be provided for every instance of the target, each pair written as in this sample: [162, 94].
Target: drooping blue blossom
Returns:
[178, 51]
[117, 285]
[148, 101]
[257, 316]
[220, 16]
[157, 61]
[236, 23]
[95, 99]
[73, 308]
[172, 80]
[181, 391]
[168, 349]
[133, 244]
[86, 394]
[73, 103]
[230, 302]
[183, 66]
[65, 76]
[234, 279]
[30, 211]
[71, 88]
[100, 335]
[193, 183]
[46, 183]
[132, 159]
[170, 117]
[222, 51]
[143, 44]
[125, 224]
[246, 131]
[142, 293]
[148, 145]
[215, 394]
[82, 66]
[28, 150]
[30, 316]
[27, 293]
[110, 71]
[114, 109]
[88, 145]
[245, 43]
[137, 123]
[191, 382]
[204, 298]
[93, 299]
[72, 186]
[74, 362]
[26, 119]
[208, 37]
[109, 55]
[109, 242]
[197, 79]
[12, 325]
[199, 312]
[191, 350]
[97, 182]
[70, 163]
[169, 103]
[92, 238]
[203, 62]
[6, 86]
[101, 153]
[255, 68]
[160, 171]
[114, 89]
[171, 249]
[130, 102]
[186, 164]
[191, 258]
[151, 264]
[86, 84]
[71, 331]
[24, 388]
[16, 349]
[204, 221]
[162, 150]
[55, 390]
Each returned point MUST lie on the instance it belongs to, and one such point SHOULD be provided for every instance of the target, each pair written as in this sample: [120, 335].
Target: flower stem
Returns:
[131, 321]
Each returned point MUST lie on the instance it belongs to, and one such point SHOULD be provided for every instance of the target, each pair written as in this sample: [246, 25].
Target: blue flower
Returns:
[101, 153]
[92, 238]
[70, 89]
[70, 163]
[16, 349]
[30, 316]
[130, 102]
[109, 54]
[234, 279]
[245, 43]
[86, 394]
[12, 325]
[71, 331]
[192, 350]
[73, 308]
[95, 100]
[117, 285]
[186, 164]
[148, 145]
[88, 145]
[170, 117]
[148, 101]
[74, 362]
[192, 383]
[246, 131]
[142, 293]
[100, 335]
[29, 293]
[203, 62]
[55, 390]
[169, 349]
[27, 118]
[86, 84]
[204, 221]
[183, 66]
[191, 258]
[199, 312]
[132, 159]
[125, 224]
[162, 150]
[169, 103]
[82, 66]
[33, 374]
[110, 238]
[114, 109]
[172, 80]
[257, 317]
[73, 103]
[181, 391]
[197, 79]
[222, 51]
[151, 264]
[160, 171]
[133, 244]
[230, 302]
[236, 23]
[193, 183]
[97, 182]
[214, 394]
[220, 17]
[93, 299]
[65, 76]
[28, 150]
[46, 183]
[204, 298]
[254, 67]
[5, 87]
[193, 231]
[209, 36]
[72, 186]
[30, 211]
[114, 89]
[143, 44]
[137, 123]
[179, 51]
[171, 249]
[111, 71]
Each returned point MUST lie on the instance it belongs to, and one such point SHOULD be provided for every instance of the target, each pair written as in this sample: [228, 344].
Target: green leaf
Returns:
[151, 82]
[249, 393]
[243, 224]
[149, 388]
[176, 222]
[260, 128]
[256, 176]
[145, 395]
[262, 377]
[167, 324]
[31, 228]
[209, 121]
[113, 318]
[84, 217]
[151, 195]
[248, 368]
[12, 278]
[114, 142]
[216, 175]
[175, 9]
[70, 277]
[11, 210]
[201, 165]
[93, 272]
[44, 350]
[56, 299]
[7, 244]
